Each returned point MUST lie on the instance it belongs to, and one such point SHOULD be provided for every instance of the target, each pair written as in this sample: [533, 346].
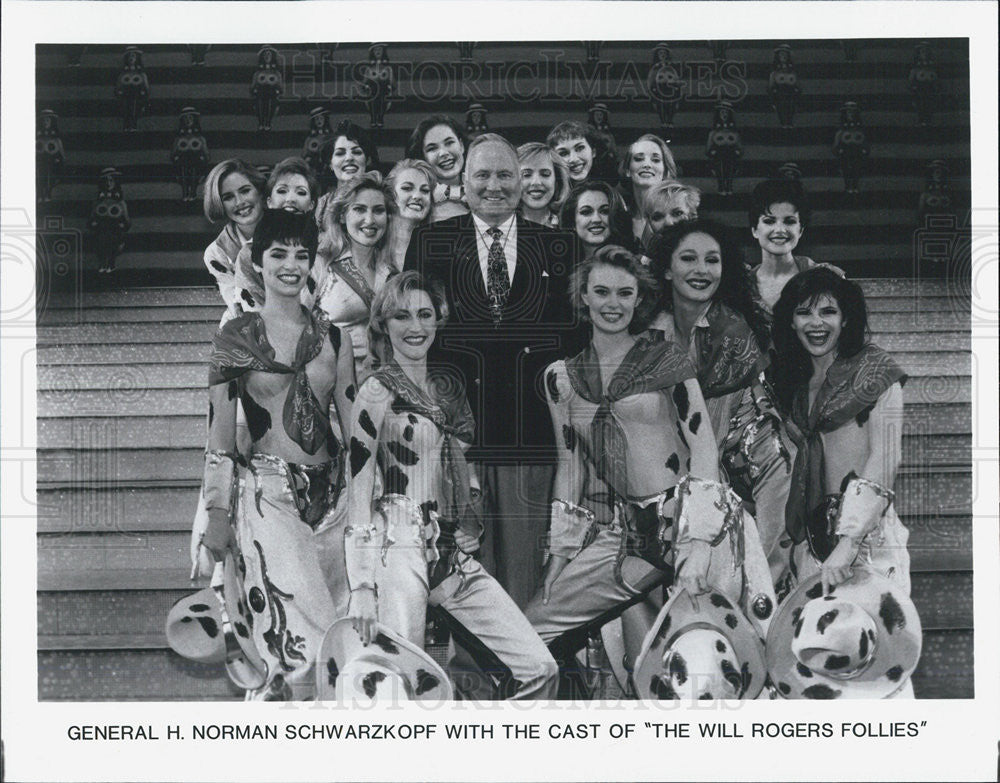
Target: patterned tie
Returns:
[497, 282]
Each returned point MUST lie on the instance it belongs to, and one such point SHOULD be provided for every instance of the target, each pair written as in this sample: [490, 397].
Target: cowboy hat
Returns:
[861, 641]
[389, 668]
[700, 648]
[212, 626]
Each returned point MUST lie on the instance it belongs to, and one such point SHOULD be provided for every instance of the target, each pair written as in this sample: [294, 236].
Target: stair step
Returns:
[139, 507]
[76, 615]
[130, 675]
[946, 669]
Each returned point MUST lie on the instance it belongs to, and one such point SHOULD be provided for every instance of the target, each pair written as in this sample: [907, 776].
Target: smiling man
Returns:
[506, 281]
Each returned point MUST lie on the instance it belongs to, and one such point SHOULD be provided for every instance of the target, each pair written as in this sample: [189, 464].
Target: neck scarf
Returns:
[452, 416]
[241, 346]
[729, 357]
[443, 192]
[649, 366]
[355, 278]
[851, 386]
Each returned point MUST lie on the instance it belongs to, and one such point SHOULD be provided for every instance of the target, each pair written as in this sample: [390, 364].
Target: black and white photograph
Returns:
[650, 379]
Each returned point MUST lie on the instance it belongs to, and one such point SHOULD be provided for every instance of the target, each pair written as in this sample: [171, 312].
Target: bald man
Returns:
[506, 280]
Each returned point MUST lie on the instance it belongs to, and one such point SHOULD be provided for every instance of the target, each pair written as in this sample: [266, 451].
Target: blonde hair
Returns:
[668, 192]
[535, 148]
[388, 301]
[335, 239]
[214, 211]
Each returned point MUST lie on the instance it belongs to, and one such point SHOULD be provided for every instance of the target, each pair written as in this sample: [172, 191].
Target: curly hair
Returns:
[734, 287]
[646, 286]
[352, 132]
[778, 191]
[793, 365]
[389, 299]
[295, 165]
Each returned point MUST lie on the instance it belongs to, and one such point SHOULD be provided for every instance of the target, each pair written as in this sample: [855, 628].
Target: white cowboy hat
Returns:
[700, 648]
[861, 641]
[390, 668]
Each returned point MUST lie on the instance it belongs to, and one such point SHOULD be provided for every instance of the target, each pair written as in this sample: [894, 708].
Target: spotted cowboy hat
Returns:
[861, 641]
[699, 649]
[390, 668]
[211, 626]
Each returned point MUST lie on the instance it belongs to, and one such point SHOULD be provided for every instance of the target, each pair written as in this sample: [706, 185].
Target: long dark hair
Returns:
[619, 223]
[793, 366]
[734, 287]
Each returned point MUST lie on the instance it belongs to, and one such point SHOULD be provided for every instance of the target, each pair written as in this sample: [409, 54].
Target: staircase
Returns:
[868, 234]
[122, 365]
[121, 430]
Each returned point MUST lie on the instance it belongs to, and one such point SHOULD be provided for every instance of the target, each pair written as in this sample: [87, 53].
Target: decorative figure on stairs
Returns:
[132, 88]
[593, 50]
[600, 117]
[665, 85]
[319, 134]
[109, 220]
[790, 171]
[475, 120]
[198, 53]
[465, 49]
[725, 148]
[377, 83]
[924, 84]
[850, 47]
[850, 146]
[718, 50]
[783, 86]
[936, 200]
[49, 154]
[266, 87]
[190, 153]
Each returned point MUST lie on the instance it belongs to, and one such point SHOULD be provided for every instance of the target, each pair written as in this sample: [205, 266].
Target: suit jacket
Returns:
[502, 367]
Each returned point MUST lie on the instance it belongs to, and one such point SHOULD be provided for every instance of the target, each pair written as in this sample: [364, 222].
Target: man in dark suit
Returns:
[506, 280]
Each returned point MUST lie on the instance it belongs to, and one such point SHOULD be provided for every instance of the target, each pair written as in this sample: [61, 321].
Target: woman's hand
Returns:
[693, 575]
[553, 568]
[201, 558]
[837, 567]
[363, 611]
[218, 534]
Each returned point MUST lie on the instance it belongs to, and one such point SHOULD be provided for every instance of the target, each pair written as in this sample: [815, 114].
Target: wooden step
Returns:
[141, 506]
[130, 675]
[946, 669]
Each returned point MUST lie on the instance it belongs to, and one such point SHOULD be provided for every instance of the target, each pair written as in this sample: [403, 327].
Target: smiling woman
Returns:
[440, 141]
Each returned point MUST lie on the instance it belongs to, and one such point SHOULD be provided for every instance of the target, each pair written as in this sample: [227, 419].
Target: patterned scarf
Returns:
[852, 387]
[452, 416]
[443, 193]
[354, 277]
[729, 357]
[241, 346]
[649, 366]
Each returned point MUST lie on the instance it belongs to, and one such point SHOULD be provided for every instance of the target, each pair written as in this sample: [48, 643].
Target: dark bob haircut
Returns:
[735, 286]
[290, 228]
[793, 365]
[778, 191]
[353, 132]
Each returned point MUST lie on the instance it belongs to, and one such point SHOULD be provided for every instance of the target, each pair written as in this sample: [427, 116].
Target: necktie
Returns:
[497, 282]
